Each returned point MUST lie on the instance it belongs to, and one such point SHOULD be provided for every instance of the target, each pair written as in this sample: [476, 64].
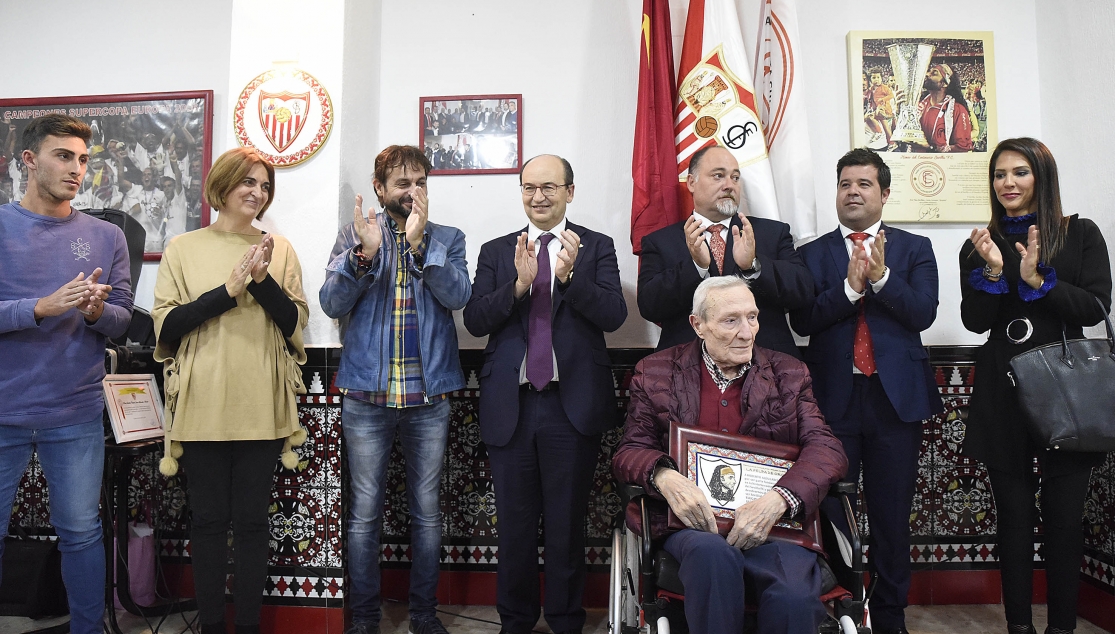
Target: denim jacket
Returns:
[364, 302]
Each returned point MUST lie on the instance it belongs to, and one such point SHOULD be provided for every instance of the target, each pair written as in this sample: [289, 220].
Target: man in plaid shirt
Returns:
[394, 279]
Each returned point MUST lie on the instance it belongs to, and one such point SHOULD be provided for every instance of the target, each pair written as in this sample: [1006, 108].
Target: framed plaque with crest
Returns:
[732, 470]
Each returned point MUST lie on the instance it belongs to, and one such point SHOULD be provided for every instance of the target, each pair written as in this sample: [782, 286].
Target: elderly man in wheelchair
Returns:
[721, 382]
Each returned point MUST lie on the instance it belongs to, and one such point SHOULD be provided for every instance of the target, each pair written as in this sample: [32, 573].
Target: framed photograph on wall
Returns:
[926, 102]
[149, 155]
[472, 134]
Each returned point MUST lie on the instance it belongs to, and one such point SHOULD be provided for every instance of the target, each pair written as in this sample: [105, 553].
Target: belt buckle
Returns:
[1026, 337]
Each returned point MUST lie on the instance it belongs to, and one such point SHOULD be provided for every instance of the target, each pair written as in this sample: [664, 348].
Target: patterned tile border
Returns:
[1100, 571]
[481, 555]
[922, 555]
[304, 587]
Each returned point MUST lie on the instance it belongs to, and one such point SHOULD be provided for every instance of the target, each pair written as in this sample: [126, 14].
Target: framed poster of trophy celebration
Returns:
[732, 470]
[472, 134]
[926, 102]
[149, 155]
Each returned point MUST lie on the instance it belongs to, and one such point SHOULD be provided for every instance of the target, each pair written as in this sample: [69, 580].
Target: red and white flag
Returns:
[716, 102]
[654, 200]
[782, 113]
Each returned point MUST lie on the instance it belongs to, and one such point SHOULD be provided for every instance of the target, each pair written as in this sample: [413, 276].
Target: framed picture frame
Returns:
[472, 134]
[732, 470]
[135, 406]
[149, 155]
[926, 102]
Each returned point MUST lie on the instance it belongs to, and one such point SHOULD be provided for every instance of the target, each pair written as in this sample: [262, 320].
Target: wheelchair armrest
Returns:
[843, 491]
[628, 492]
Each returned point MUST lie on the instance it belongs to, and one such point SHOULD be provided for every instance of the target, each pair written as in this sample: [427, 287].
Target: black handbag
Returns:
[1067, 391]
[32, 585]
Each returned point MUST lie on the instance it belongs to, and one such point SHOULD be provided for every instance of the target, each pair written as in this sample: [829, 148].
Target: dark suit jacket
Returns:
[590, 305]
[896, 316]
[667, 279]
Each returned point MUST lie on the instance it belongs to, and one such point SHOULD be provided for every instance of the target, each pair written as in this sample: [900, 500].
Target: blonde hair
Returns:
[229, 170]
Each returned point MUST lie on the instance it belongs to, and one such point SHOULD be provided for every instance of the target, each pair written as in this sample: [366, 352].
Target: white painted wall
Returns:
[576, 65]
[306, 195]
[1074, 52]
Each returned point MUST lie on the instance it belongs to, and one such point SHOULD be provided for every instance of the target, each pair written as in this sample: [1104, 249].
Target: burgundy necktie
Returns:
[863, 351]
[540, 346]
[717, 246]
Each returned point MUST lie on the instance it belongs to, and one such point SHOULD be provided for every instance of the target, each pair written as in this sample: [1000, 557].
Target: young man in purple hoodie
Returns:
[65, 287]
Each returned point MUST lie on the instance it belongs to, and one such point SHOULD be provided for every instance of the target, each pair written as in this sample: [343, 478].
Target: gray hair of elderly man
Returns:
[700, 296]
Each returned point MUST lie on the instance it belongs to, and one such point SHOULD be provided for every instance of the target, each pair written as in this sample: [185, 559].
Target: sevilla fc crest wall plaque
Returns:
[286, 115]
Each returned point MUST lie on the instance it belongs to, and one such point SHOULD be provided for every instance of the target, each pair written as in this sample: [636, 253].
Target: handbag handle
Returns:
[1066, 355]
[1107, 322]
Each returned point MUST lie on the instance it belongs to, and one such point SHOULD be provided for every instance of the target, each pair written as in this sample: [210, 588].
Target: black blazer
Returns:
[997, 431]
[667, 279]
[590, 305]
[896, 316]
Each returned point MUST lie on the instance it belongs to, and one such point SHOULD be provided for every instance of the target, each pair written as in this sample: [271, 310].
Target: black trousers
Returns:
[545, 470]
[229, 482]
[1062, 507]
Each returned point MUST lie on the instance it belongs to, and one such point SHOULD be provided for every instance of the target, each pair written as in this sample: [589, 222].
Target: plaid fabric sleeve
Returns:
[791, 500]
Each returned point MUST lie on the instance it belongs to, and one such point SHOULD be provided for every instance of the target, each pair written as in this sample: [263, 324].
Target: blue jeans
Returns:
[369, 435]
[72, 458]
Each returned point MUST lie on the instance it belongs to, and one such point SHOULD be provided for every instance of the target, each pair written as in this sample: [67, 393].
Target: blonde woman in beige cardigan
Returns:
[229, 313]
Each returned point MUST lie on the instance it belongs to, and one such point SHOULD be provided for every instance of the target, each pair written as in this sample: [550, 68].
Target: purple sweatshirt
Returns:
[51, 371]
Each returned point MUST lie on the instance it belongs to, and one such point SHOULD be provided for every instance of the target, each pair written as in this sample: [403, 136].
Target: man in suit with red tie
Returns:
[718, 239]
[876, 290]
[545, 296]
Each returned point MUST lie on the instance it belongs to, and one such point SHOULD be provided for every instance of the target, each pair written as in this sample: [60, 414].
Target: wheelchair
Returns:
[645, 592]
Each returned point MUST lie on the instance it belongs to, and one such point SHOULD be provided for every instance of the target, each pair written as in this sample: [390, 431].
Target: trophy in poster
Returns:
[909, 61]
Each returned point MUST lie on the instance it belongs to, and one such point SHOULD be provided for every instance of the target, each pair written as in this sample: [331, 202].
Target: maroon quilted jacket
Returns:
[777, 404]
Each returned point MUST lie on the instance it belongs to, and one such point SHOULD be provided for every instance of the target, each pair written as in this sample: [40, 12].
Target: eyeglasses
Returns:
[548, 190]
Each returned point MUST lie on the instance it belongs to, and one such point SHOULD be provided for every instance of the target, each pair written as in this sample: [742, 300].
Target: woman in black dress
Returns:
[1031, 272]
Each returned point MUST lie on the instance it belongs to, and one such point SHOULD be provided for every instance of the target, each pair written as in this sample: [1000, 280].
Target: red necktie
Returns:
[717, 246]
[863, 351]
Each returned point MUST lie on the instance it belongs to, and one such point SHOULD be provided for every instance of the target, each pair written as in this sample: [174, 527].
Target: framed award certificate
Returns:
[135, 406]
[732, 470]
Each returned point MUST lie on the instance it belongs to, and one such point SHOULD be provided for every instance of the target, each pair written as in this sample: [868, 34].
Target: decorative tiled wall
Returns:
[953, 522]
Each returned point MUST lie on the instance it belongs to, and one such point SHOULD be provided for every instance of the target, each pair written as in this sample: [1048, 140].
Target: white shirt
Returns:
[871, 231]
[143, 159]
[725, 227]
[534, 234]
[183, 169]
[150, 201]
[175, 216]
